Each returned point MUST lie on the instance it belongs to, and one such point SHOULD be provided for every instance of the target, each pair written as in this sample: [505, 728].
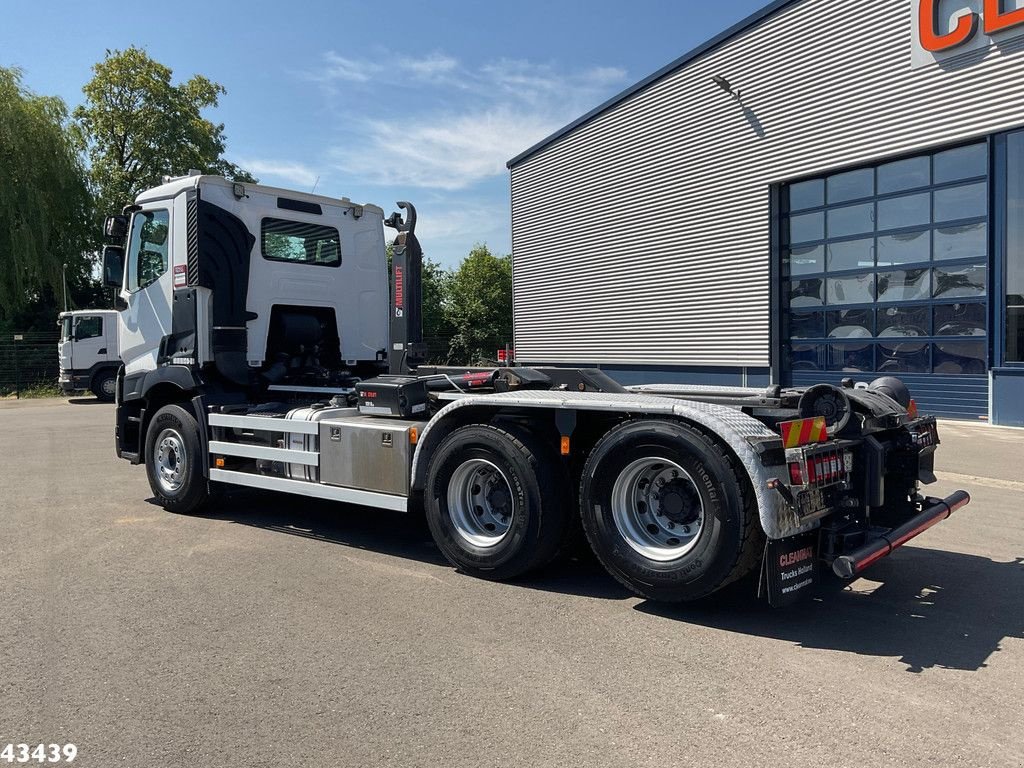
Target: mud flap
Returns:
[790, 568]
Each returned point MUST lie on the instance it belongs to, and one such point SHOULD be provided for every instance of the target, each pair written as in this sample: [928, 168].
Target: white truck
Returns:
[87, 352]
[263, 348]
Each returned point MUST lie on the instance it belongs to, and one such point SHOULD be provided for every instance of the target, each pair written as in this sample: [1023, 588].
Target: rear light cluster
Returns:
[821, 468]
[925, 435]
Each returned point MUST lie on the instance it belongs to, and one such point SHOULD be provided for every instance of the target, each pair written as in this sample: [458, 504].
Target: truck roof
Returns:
[173, 186]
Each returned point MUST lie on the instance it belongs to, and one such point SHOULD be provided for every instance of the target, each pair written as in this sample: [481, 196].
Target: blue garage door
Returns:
[885, 272]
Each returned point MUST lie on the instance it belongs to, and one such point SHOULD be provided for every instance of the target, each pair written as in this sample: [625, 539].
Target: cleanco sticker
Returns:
[942, 29]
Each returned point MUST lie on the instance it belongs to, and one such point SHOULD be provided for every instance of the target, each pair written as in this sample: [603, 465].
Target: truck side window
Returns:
[147, 248]
[299, 242]
[88, 328]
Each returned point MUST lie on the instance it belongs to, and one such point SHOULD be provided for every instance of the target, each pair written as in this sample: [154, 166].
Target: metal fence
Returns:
[28, 360]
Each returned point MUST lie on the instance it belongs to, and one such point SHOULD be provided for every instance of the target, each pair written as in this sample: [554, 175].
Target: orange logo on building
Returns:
[935, 39]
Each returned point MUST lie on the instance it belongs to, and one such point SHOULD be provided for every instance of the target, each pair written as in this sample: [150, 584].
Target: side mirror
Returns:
[113, 266]
[115, 227]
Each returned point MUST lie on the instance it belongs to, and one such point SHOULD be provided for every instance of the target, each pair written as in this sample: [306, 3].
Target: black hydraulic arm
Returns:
[406, 348]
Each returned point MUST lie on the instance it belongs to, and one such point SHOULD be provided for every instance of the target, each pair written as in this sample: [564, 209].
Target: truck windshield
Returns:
[65, 329]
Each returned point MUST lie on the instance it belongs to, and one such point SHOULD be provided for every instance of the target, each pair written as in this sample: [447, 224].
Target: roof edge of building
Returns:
[755, 18]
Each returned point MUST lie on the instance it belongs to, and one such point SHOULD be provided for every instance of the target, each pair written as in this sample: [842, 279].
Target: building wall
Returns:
[644, 236]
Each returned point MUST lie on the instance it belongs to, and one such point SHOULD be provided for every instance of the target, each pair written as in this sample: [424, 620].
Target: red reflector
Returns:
[796, 477]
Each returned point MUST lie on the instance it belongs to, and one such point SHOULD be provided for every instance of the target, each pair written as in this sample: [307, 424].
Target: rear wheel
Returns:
[668, 511]
[173, 456]
[104, 385]
[496, 501]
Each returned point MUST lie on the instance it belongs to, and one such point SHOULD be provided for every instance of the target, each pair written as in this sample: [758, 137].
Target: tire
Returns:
[668, 511]
[496, 501]
[104, 385]
[173, 456]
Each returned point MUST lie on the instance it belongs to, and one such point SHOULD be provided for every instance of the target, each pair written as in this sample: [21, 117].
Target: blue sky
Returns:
[380, 101]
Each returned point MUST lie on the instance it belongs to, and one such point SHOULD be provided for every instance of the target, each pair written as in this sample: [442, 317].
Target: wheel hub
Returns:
[480, 503]
[679, 502]
[657, 509]
[170, 460]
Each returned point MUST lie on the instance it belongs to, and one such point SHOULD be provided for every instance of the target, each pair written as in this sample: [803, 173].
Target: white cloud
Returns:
[509, 105]
[337, 67]
[293, 173]
[429, 67]
[449, 227]
[451, 153]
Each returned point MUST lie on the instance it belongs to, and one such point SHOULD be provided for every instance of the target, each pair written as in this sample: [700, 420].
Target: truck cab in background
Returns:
[88, 352]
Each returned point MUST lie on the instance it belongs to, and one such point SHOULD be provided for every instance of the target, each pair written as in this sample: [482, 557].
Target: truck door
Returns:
[89, 343]
[147, 288]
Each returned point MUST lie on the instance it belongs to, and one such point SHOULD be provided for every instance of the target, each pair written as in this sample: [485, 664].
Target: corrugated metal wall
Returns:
[643, 236]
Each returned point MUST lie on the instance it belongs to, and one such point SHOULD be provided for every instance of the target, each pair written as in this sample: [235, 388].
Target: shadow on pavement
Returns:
[394, 533]
[930, 609]
[376, 530]
[86, 401]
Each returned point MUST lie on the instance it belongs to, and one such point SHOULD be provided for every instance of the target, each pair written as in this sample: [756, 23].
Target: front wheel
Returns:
[173, 456]
[668, 511]
[104, 385]
[496, 501]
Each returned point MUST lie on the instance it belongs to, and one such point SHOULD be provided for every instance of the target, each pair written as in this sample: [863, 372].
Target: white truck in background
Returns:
[88, 352]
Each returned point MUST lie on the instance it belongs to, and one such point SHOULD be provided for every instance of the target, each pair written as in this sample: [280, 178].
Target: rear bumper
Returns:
[935, 511]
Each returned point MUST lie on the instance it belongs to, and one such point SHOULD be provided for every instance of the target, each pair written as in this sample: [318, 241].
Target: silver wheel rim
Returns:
[108, 386]
[170, 460]
[480, 503]
[657, 509]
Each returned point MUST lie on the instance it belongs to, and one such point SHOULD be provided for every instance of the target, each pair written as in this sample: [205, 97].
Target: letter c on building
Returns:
[928, 24]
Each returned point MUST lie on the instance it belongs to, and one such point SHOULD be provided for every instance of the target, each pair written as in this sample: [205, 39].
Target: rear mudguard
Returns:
[734, 428]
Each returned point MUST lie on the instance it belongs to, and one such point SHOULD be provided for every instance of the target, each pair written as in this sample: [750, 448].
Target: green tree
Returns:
[479, 306]
[45, 203]
[137, 126]
[437, 328]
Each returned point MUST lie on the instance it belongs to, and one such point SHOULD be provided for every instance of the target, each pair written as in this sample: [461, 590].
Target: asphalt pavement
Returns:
[276, 631]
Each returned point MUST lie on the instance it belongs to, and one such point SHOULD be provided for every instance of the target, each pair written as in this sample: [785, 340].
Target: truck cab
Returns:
[232, 288]
[88, 352]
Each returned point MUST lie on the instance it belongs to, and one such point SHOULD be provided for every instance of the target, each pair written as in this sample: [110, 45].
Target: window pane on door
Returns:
[851, 254]
[904, 285]
[961, 282]
[903, 321]
[904, 248]
[966, 242]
